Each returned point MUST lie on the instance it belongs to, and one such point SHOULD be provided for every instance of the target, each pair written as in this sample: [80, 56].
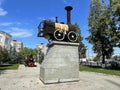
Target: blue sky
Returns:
[20, 18]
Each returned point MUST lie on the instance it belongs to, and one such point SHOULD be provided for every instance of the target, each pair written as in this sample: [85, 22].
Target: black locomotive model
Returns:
[58, 31]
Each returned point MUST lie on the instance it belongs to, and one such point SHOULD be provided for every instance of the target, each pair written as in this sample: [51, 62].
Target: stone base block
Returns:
[61, 64]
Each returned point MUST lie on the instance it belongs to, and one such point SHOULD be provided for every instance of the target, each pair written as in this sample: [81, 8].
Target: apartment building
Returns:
[16, 45]
[42, 47]
[5, 40]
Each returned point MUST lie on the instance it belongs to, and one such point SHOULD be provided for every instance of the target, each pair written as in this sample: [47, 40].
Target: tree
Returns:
[114, 24]
[115, 57]
[100, 37]
[40, 55]
[97, 57]
[16, 58]
[81, 48]
[4, 55]
[27, 51]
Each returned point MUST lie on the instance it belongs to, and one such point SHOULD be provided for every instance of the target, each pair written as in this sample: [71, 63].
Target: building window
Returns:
[7, 41]
[0, 39]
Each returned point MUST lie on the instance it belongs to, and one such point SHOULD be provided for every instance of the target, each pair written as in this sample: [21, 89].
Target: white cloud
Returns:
[6, 24]
[72, 2]
[19, 32]
[69, 2]
[40, 18]
[10, 23]
[46, 18]
[18, 23]
[65, 1]
[3, 12]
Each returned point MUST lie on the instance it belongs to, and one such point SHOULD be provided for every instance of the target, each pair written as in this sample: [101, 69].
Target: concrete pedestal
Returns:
[61, 64]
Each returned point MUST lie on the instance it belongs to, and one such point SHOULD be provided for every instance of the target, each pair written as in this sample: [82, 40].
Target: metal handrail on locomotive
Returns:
[52, 30]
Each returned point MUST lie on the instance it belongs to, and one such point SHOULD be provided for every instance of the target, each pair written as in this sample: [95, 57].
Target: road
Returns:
[27, 78]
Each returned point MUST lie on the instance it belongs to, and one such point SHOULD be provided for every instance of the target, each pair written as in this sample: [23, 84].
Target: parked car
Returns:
[115, 64]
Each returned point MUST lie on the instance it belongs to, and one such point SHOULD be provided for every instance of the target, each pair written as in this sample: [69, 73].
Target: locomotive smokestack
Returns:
[56, 19]
[68, 9]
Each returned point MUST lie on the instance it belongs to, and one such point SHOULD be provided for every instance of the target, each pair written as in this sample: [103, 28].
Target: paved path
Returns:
[27, 78]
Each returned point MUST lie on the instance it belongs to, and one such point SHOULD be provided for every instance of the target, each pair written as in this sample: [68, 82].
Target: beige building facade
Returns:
[5, 40]
[16, 45]
[42, 47]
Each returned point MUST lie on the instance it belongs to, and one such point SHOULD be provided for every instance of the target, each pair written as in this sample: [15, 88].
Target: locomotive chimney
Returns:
[56, 19]
[68, 9]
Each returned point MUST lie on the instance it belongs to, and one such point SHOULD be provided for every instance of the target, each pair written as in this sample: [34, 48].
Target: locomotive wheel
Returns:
[72, 36]
[59, 35]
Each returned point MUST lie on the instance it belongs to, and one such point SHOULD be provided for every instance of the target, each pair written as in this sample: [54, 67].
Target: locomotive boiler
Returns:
[52, 30]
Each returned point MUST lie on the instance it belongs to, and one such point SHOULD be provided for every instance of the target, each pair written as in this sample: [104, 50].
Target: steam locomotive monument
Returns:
[61, 63]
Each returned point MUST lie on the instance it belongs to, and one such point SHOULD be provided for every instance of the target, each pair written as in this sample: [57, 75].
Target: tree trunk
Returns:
[103, 54]
[103, 59]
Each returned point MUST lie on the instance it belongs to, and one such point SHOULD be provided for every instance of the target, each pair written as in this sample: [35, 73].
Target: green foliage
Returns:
[82, 48]
[115, 57]
[78, 31]
[40, 55]
[27, 51]
[9, 67]
[99, 70]
[96, 58]
[16, 58]
[102, 27]
[4, 55]
[12, 57]
[115, 22]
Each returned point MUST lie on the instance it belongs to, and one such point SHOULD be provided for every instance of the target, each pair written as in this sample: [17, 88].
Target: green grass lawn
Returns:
[99, 70]
[9, 67]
